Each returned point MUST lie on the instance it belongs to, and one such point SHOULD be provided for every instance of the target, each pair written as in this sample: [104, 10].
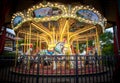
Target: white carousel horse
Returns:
[58, 50]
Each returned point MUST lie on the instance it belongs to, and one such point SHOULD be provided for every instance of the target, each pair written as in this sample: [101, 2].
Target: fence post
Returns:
[37, 78]
[77, 81]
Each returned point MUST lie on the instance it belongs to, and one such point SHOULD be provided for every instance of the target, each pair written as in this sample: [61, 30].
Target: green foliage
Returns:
[107, 43]
[108, 49]
[106, 37]
[8, 54]
[34, 45]
[90, 43]
[82, 47]
[20, 42]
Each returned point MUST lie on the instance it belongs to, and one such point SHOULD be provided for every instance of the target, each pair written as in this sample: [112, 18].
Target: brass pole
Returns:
[27, 42]
[16, 49]
[53, 41]
[37, 42]
[29, 54]
[98, 42]
[24, 43]
[95, 42]
[40, 44]
[30, 38]
[63, 30]
[87, 46]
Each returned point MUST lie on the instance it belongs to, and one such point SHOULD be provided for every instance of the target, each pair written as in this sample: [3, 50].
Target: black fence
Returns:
[57, 69]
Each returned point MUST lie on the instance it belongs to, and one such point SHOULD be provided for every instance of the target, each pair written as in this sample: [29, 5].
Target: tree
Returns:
[106, 41]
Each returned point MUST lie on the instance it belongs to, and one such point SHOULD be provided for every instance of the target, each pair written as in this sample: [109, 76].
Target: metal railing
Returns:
[58, 69]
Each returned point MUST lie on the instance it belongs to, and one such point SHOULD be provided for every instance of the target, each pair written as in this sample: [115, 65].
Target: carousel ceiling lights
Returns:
[67, 12]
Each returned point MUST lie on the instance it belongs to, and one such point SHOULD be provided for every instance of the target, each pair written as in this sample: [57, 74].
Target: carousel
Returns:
[57, 29]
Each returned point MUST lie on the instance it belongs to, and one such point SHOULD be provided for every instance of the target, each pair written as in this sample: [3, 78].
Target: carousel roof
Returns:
[107, 8]
[55, 11]
[58, 21]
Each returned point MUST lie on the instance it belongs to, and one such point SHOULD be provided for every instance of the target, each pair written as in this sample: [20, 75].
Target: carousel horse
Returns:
[42, 57]
[58, 49]
[20, 60]
[23, 59]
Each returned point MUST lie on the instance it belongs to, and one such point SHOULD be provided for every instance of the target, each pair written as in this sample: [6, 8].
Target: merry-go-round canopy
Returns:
[56, 22]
